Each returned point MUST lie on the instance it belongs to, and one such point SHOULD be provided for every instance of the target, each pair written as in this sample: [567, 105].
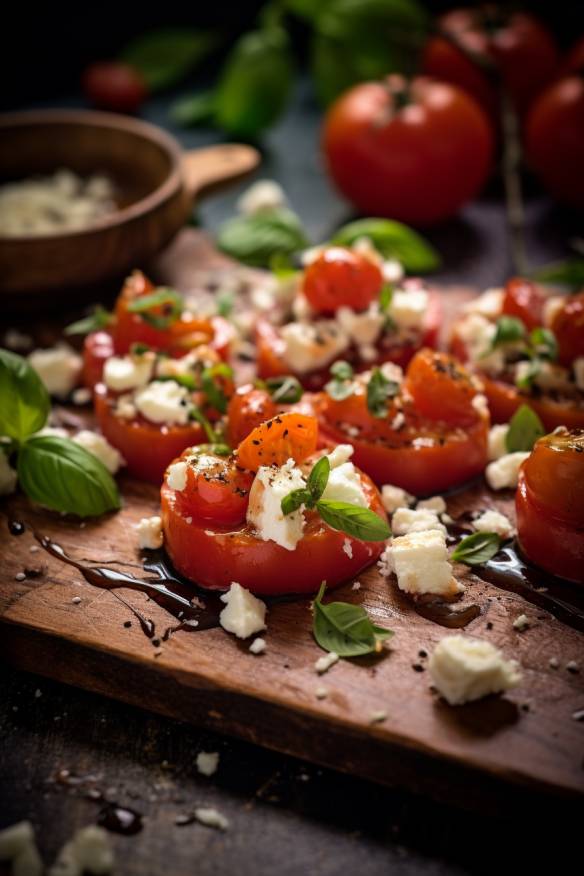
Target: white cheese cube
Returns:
[497, 442]
[394, 498]
[150, 535]
[363, 328]
[100, 448]
[8, 476]
[521, 623]
[125, 408]
[489, 304]
[465, 669]
[494, 521]
[503, 473]
[59, 368]
[477, 333]
[265, 194]
[264, 512]
[309, 346]
[258, 646]
[392, 271]
[344, 485]
[421, 565]
[406, 520]
[578, 369]
[244, 614]
[408, 307]
[211, 818]
[176, 475]
[324, 663]
[164, 401]
[122, 373]
[207, 762]
[434, 503]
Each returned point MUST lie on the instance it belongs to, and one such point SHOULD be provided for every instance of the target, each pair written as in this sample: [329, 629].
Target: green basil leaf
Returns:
[544, 343]
[61, 475]
[212, 436]
[346, 629]
[225, 304]
[194, 109]
[509, 329]
[385, 297]
[24, 401]
[530, 375]
[255, 83]
[341, 386]
[138, 349]
[285, 390]
[569, 273]
[165, 56]
[257, 238]
[341, 370]
[477, 548]
[318, 478]
[186, 380]
[281, 265]
[218, 449]
[213, 391]
[379, 390]
[394, 241]
[167, 299]
[99, 318]
[295, 499]
[524, 430]
[359, 522]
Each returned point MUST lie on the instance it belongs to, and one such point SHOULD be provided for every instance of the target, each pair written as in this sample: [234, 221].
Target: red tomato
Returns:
[516, 44]
[573, 62]
[290, 435]
[97, 349]
[216, 492]
[504, 399]
[439, 442]
[554, 135]
[568, 327]
[414, 152]
[247, 408]
[341, 277]
[148, 448]
[113, 85]
[550, 505]
[524, 300]
[214, 556]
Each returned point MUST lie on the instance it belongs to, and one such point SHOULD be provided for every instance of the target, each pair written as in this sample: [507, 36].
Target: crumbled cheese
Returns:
[15, 839]
[477, 333]
[345, 485]
[489, 304]
[406, 520]
[348, 548]
[480, 404]
[125, 408]
[89, 850]
[244, 614]
[176, 476]
[150, 535]
[264, 194]
[385, 564]
[465, 669]
[392, 372]
[420, 562]
[258, 646]
[494, 521]
[211, 818]
[363, 328]
[551, 377]
[578, 369]
[434, 503]
[100, 448]
[207, 762]
[321, 692]
[324, 663]
[521, 623]
[378, 717]
[551, 308]
[394, 498]
[504, 472]
[8, 476]
[392, 271]
[264, 512]
[356, 585]
[81, 396]
[310, 255]
[341, 453]
[309, 346]
[497, 442]
[164, 401]
[121, 373]
[408, 307]
[59, 368]
[17, 340]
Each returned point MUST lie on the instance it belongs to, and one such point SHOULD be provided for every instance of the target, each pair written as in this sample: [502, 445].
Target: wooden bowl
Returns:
[155, 180]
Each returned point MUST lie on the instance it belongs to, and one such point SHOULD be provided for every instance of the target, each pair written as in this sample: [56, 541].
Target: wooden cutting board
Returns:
[528, 740]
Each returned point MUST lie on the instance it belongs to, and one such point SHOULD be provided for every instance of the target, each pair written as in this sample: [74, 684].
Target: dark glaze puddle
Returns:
[447, 615]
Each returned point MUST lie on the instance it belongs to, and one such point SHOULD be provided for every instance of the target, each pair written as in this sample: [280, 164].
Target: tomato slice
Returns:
[286, 436]
[504, 399]
[217, 489]
[568, 327]
[341, 277]
[97, 349]
[524, 300]
[441, 388]
[248, 408]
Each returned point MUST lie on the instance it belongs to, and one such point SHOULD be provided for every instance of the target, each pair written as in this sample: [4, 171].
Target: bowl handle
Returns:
[206, 170]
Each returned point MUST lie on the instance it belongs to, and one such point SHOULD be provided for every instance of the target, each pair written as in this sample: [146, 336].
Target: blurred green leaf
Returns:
[165, 56]
[569, 273]
[394, 241]
[307, 9]
[196, 109]
[257, 238]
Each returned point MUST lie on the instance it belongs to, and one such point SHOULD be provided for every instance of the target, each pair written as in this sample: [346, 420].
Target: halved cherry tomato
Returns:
[341, 277]
[214, 556]
[505, 398]
[441, 389]
[274, 442]
[217, 489]
[248, 408]
[550, 505]
[568, 327]
[97, 349]
[524, 300]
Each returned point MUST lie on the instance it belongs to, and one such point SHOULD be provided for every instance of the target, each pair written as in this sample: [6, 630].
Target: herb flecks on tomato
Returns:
[216, 491]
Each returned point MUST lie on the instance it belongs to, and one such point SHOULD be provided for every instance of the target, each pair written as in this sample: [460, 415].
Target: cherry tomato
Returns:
[97, 349]
[516, 44]
[213, 556]
[414, 152]
[113, 85]
[341, 277]
[554, 135]
[504, 399]
[247, 408]
[550, 505]
[568, 327]
[441, 389]
[524, 300]
[286, 436]
[217, 489]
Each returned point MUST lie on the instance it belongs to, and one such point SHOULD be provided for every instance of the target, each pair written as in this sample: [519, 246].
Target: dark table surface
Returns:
[286, 816]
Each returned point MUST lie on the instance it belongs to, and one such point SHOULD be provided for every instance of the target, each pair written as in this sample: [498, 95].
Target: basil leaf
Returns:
[286, 390]
[194, 109]
[385, 297]
[255, 83]
[346, 629]
[216, 449]
[61, 475]
[24, 401]
[295, 499]
[544, 343]
[138, 349]
[257, 238]
[167, 299]
[225, 304]
[100, 318]
[524, 430]
[509, 329]
[213, 390]
[568, 273]
[379, 390]
[318, 478]
[359, 522]
[341, 370]
[197, 414]
[341, 386]
[394, 241]
[165, 56]
[477, 548]
[186, 380]
[281, 265]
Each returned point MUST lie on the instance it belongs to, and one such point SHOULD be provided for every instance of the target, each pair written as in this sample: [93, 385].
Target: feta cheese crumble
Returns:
[264, 194]
[176, 476]
[17, 844]
[497, 441]
[271, 484]
[344, 485]
[348, 548]
[324, 663]
[58, 367]
[207, 762]
[406, 520]
[494, 521]
[394, 498]
[122, 373]
[421, 565]
[164, 401]
[258, 646]
[521, 623]
[243, 614]
[211, 818]
[341, 453]
[434, 503]
[89, 850]
[101, 448]
[489, 304]
[465, 669]
[408, 307]
[503, 473]
[150, 535]
[309, 346]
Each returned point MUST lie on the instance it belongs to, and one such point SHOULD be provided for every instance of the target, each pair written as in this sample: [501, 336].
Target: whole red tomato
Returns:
[113, 85]
[554, 139]
[514, 44]
[413, 151]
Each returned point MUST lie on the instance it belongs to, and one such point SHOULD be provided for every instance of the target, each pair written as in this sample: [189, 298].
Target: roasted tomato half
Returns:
[550, 504]
[431, 434]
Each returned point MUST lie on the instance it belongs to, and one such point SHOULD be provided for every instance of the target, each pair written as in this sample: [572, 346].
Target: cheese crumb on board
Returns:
[58, 367]
[258, 646]
[407, 520]
[465, 669]
[211, 818]
[521, 623]
[264, 194]
[207, 762]
[494, 521]
[264, 511]
[321, 693]
[394, 498]
[244, 614]
[89, 850]
[434, 503]
[503, 473]
[324, 663]
[150, 535]
[100, 447]
[378, 717]
[421, 565]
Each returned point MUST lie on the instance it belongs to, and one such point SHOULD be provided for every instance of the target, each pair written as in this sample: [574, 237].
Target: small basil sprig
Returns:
[24, 401]
[341, 385]
[569, 273]
[379, 390]
[525, 428]
[284, 390]
[225, 301]
[543, 343]
[98, 319]
[218, 449]
[255, 239]
[212, 388]
[213, 436]
[508, 330]
[168, 300]
[394, 241]
[476, 549]
[315, 487]
[346, 629]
